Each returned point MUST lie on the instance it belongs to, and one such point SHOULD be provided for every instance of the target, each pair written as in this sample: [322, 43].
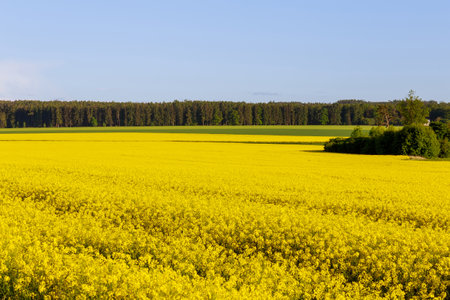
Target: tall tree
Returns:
[233, 117]
[324, 116]
[3, 122]
[413, 110]
[217, 118]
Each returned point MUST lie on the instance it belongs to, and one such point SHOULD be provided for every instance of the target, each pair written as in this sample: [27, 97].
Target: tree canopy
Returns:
[413, 110]
[344, 112]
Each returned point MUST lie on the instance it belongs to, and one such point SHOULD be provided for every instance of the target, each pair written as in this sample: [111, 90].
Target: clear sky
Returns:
[224, 50]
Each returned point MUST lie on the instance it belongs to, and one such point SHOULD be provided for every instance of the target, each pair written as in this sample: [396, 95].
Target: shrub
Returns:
[388, 143]
[367, 145]
[415, 140]
[419, 140]
[357, 132]
[335, 145]
[377, 131]
[362, 145]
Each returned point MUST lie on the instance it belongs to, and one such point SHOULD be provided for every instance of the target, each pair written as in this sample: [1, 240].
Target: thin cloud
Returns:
[22, 79]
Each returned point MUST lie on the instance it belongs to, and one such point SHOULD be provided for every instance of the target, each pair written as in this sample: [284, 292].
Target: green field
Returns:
[307, 130]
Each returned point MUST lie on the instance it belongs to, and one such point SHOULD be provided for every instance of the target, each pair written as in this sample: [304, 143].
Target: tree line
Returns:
[91, 113]
[416, 138]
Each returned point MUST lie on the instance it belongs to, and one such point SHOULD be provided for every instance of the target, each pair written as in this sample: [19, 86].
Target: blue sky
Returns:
[143, 51]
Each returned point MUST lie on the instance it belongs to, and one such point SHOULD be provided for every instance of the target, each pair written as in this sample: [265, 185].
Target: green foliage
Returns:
[257, 115]
[413, 110]
[419, 140]
[79, 113]
[445, 148]
[3, 122]
[335, 145]
[324, 117]
[388, 143]
[94, 122]
[377, 131]
[385, 114]
[441, 129]
[357, 132]
[234, 117]
[188, 118]
[416, 140]
[217, 119]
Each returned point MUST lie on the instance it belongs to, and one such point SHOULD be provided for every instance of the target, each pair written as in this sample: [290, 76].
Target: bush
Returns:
[441, 129]
[377, 131]
[388, 142]
[357, 132]
[415, 140]
[362, 145]
[335, 145]
[419, 140]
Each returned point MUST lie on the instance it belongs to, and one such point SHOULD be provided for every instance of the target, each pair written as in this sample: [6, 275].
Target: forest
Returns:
[91, 113]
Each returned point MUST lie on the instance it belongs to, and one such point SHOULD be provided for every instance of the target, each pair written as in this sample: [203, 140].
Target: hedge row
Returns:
[416, 140]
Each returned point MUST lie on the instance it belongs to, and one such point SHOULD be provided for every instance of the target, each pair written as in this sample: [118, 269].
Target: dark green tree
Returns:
[94, 122]
[234, 117]
[217, 118]
[80, 113]
[419, 140]
[3, 122]
[257, 115]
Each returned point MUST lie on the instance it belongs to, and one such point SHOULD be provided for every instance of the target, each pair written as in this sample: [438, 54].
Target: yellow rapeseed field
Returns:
[148, 215]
